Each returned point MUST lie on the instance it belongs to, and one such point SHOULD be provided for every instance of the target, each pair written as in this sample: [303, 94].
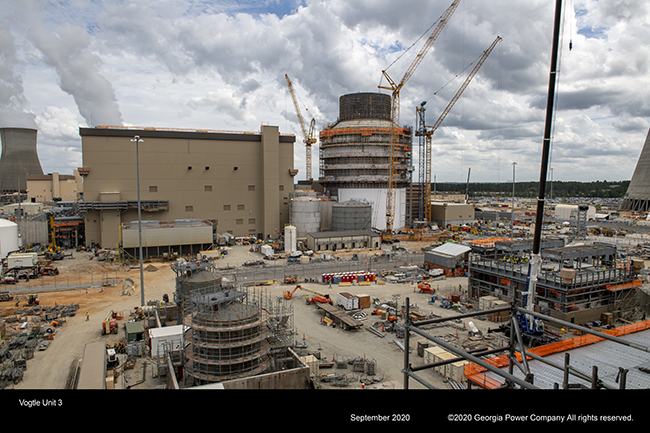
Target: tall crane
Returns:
[308, 135]
[395, 111]
[428, 131]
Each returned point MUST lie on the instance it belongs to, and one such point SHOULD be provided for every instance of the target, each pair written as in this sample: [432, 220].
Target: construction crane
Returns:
[395, 112]
[428, 131]
[308, 135]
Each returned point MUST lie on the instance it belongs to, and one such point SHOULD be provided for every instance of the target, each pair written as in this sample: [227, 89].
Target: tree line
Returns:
[560, 189]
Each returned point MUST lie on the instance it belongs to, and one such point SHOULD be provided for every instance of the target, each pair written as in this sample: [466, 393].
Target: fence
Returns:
[63, 282]
[313, 271]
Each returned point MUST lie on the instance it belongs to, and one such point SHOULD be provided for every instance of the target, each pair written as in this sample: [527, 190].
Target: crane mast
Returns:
[429, 132]
[395, 111]
[308, 135]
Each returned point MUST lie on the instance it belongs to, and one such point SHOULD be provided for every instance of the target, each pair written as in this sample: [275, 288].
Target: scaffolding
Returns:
[571, 281]
[355, 152]
[234, 333]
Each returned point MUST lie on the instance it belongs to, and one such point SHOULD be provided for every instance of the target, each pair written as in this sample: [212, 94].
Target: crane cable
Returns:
[409, 48]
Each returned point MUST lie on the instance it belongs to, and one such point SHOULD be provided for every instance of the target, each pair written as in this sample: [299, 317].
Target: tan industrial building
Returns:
[239, 181]
[45, 188]
[444, 214]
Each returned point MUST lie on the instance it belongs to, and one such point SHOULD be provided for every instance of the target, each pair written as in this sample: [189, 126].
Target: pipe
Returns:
[584, 329]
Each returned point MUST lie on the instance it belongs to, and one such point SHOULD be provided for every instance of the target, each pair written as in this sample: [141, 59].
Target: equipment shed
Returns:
[134, 331]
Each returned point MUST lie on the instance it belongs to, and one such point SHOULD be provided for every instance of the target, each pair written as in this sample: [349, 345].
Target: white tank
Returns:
[305, 215]
[8, 238]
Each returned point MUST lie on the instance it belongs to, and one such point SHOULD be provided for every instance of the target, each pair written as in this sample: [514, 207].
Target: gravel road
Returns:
[52, 368]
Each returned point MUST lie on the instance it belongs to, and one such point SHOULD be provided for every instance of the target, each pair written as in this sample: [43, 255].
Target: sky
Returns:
[221, 65]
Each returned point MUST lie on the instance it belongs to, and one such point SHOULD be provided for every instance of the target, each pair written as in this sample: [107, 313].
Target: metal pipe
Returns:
[138, 140]
[407, 340]
[475, 360]
[475, 352]
[584, 329]
[460, 316]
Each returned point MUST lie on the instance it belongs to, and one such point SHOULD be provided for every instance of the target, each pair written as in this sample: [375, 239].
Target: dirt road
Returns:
[53, 367]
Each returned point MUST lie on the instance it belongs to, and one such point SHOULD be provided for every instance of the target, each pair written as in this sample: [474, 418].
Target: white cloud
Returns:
[221, 65]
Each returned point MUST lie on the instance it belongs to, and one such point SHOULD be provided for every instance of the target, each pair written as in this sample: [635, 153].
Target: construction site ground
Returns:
[97, 288]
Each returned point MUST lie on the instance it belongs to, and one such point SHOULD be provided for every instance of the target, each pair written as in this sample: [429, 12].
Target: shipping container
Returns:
[364, 301]
[347, 300]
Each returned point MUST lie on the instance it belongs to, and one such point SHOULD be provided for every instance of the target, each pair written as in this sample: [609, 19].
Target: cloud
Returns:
[14, 110]
[221, 65]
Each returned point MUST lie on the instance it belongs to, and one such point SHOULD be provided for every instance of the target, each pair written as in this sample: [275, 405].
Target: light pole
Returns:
[512, 214]
[137, 140]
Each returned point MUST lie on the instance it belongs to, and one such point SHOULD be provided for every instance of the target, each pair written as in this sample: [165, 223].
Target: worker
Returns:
[87, 316]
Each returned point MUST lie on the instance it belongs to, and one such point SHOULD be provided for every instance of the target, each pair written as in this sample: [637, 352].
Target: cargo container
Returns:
[347, 301]
[364, 301]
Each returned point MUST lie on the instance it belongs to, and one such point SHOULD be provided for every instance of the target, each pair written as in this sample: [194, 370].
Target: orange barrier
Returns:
[474, 372]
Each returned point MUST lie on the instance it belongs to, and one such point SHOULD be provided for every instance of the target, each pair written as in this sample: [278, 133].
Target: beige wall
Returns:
[452, 213]
[43, 188]
[240, 180]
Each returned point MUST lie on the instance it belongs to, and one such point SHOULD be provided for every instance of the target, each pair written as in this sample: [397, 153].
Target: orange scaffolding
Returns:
[475, 372]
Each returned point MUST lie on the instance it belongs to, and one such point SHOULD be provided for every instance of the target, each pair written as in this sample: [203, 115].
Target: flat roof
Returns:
[343, 234]
[194, 134]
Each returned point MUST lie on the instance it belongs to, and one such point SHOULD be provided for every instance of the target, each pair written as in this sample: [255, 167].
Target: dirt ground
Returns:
[53, 368]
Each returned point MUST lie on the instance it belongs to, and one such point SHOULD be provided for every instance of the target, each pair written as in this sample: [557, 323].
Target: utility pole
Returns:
[137, 140]
[512, 211]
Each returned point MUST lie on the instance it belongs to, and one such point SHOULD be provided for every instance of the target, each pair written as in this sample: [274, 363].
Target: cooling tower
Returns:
[637, 197]
[355, 155]
[19, 158]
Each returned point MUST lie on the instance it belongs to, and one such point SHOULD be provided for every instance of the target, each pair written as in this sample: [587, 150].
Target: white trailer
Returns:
[22, 260]
[347, 300]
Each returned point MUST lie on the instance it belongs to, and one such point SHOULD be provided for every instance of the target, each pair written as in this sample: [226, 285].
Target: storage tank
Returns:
[351, 215]
[8, 238]
[305, 215]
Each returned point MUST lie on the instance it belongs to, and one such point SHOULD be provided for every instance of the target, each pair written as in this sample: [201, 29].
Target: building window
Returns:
[153, 189]
[251, 187]
[226, 207]
[207, 188]
[239, 222]
[189, 208]
[281, 187]
[251, 220]
[241, 207]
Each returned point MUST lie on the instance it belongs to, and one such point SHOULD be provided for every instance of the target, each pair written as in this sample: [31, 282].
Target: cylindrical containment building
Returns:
[351, 215]
[226, 337]
[355, 155]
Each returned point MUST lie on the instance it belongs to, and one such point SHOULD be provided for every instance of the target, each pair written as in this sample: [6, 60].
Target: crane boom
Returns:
[395, 111]
[308, 135]
[429, 132]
